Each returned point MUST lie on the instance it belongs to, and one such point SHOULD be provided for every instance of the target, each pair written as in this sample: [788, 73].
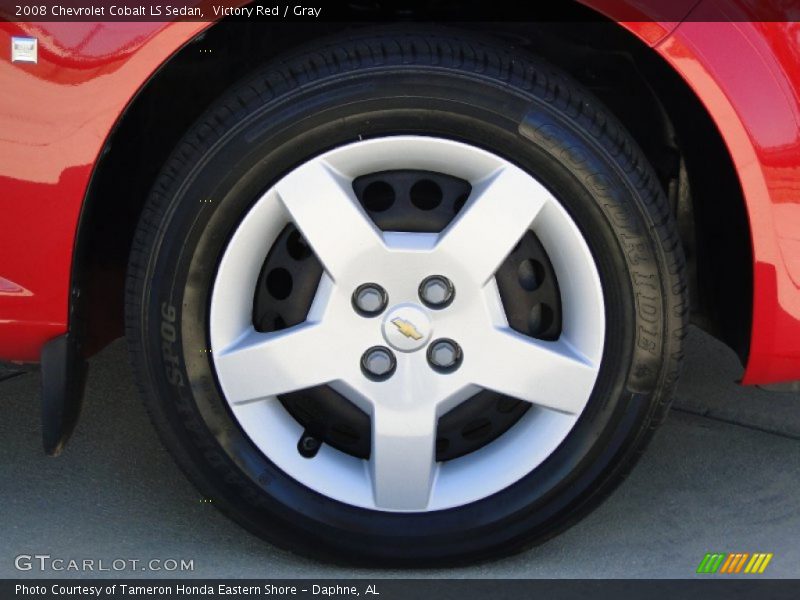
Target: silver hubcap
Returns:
[402, 474]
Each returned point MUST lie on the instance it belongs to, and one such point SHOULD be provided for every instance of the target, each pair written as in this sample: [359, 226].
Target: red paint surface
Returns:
[748, 76]
[55, 117]
[650, 20]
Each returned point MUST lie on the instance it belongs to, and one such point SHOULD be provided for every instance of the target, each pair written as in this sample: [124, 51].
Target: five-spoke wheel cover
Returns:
[535, 343]
[419, 202]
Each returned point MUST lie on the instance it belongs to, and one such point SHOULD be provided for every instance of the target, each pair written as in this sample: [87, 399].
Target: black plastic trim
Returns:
[64, 372]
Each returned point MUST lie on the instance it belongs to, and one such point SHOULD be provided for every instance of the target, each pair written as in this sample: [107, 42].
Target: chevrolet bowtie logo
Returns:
[407, 328]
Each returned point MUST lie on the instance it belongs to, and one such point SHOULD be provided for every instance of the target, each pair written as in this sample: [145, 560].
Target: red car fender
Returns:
[55, 119]
[758, 116]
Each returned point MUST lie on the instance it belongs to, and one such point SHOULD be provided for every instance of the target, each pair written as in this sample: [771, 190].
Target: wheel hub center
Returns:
[407, 327]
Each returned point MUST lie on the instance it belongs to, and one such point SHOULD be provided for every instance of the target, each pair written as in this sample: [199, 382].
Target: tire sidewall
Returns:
[205, 199]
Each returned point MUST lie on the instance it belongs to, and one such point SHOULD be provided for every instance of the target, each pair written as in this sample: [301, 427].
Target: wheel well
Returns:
[652, 101]
[690, 158]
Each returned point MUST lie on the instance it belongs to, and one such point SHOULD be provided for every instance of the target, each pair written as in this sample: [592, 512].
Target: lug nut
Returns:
[308, 446]
[378, 363]
[370, 299]
[436, 291]
[444, 355]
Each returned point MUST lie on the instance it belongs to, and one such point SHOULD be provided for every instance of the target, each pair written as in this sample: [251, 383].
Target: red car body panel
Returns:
[56, 116]
[747, 74]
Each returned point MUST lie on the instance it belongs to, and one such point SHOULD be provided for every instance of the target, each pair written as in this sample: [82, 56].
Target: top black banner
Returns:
[399, 10]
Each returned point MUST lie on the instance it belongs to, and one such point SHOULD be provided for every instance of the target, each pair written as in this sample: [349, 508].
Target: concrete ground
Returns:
[721, 475]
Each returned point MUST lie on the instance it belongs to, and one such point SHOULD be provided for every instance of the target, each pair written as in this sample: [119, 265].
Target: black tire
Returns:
[445, 84]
